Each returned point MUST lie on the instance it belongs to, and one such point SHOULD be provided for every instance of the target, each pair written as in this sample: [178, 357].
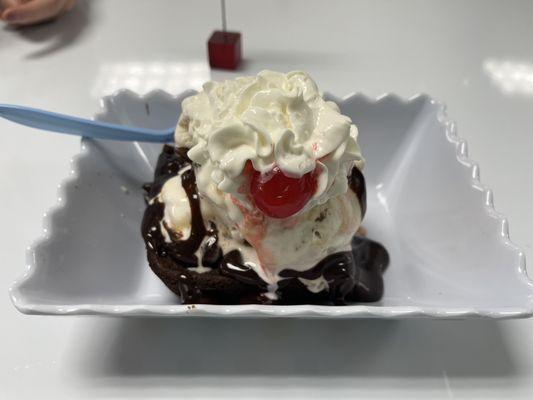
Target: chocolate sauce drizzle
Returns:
[354, 275]
[168, 166]
[356, 182]
[232, 265]
[351, 276]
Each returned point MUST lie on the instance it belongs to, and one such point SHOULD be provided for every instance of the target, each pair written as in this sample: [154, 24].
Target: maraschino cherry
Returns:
[280, 196]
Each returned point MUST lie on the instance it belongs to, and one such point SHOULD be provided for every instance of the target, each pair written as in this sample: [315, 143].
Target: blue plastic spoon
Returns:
[50, 121]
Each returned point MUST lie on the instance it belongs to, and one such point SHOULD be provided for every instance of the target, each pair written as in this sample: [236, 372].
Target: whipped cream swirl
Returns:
[272, 119]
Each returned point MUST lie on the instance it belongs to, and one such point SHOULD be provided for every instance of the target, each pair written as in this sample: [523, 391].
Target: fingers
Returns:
[5, 4]
[34, 11]
[8, 3]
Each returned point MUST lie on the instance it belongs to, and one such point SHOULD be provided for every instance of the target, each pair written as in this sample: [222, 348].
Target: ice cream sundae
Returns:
[260, 198]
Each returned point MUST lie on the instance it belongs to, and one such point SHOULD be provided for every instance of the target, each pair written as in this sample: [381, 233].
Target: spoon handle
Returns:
[61, 123]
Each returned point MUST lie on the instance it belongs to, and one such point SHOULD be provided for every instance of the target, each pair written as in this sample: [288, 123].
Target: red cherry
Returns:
[280, 196]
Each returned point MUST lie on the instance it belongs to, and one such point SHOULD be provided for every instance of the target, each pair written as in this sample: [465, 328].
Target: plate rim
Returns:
[303, 311]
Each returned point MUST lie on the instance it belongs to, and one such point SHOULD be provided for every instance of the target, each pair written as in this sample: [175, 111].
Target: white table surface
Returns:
[474, 55]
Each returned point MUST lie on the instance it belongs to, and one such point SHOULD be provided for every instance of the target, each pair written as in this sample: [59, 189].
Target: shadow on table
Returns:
[58, 34]
[276, 347]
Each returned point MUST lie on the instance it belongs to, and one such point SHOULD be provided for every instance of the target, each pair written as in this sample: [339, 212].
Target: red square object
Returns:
[224, 49]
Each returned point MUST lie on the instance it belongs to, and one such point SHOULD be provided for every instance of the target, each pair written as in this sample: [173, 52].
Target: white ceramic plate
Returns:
[451, 256]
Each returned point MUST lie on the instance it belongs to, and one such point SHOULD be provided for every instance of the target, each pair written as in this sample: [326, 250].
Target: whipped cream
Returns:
[272, 119]
[269, 119]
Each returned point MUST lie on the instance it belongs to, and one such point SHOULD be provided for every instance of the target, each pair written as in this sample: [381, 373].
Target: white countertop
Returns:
[475, 56]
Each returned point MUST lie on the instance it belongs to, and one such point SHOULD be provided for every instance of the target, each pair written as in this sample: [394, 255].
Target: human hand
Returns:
[28, 12]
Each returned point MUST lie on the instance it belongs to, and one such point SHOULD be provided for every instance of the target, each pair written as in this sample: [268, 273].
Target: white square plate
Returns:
[451, 256]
